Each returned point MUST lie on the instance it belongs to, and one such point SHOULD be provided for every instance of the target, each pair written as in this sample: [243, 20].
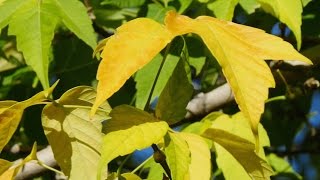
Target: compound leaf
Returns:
[240, 50]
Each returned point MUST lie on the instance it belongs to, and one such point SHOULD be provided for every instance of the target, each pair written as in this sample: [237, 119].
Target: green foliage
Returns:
[46, 40]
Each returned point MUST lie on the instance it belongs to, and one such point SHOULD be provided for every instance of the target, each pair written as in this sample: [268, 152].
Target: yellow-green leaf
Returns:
[178, 156]
[240, 127]
[10, 116]
[240, 50]
[200, 165]
[223, 9]
[74, 137]
[232, 147]
[288, 12]
[130, 176]
[123, 142]
[126, 52]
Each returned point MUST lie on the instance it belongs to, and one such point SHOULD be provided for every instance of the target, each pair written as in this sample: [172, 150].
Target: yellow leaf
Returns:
[288, 12]
[240, 50]
[8, 174]
[134, 44]
[200, 165]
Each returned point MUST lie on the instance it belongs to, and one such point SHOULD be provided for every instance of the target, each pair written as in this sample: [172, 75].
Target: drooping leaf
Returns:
[288, 12]
[223, 9]
[124, 141]
[11, 113]
[236, 126]
[77, 20]
[240, 50]
[122, 57]
[74, 137]
[249, 6]
[242, 150]
[200, 165]
[177, 156]
[174, 98]
[37, 19]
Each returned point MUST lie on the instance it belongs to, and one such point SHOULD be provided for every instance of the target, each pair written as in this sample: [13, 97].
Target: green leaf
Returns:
[124, 3]
[146, 76]
[7, 9]
[74, 15]
[177, 155]
[280, 165]
[129, 176]
[127, 139]
[125, 116]
[33, 25]
[175, 96]
[155, 170]
[223, 9]
[305, 2]
[288, 12]
[157, 12]
[184, 4]
[249, 6]
[4, 165]
[11, 113]
[230, 147]
[74, 137]
[200, 165]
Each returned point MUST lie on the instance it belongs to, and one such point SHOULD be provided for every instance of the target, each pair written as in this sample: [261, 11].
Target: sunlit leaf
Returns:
[126, 52]
[200, 165]
[74, 15]
[10, 116]
[174, 98]
[249, 5]
[242, 150]
[223, 9]
[240, 50]
[177, 156]
[240, 127]
[74, 137]
[288, 12]
[37, 19]
[130, 176]
[7, 9]
[8, 174]
[124, 141]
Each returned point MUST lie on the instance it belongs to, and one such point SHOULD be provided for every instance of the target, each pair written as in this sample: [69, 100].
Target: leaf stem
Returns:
[147, 106]
[285, 82]
[122, 164]
[162, 159]
[141, 165]
[277, 98]
[49, 168]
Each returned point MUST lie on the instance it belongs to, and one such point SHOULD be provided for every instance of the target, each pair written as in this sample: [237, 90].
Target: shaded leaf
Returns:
[200, 165]
[177, 156]
[174, 98]
[240, 50]
[184, 4]
[10, 116]
[38, 19]
[123, 3]
[123, 142]
[146, 76]
[157, 12]
[280, 165]
[122, 57]
[74, 137]
[129, 176]
[4, 165]
[223, 9]
[155, 170]
[125, 116]
[237, 126]
[77, 19]
[288, 12]
[242, 150]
